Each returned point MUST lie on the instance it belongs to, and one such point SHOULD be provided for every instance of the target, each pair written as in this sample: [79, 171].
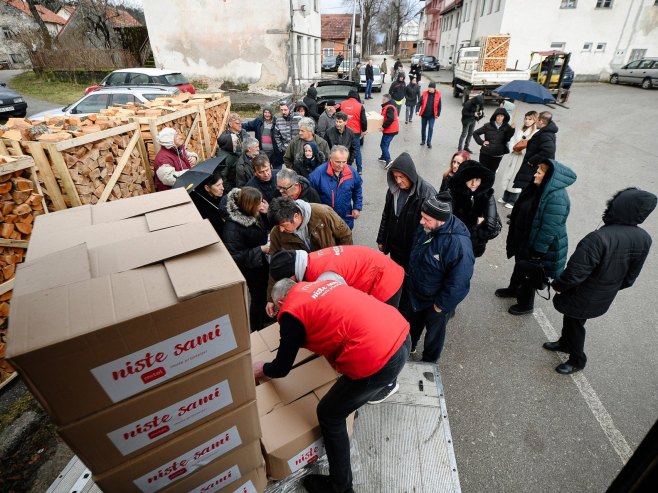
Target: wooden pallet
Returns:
[493, 52]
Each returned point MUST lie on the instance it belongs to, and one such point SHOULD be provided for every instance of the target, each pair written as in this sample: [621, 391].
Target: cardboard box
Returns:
[375, 121]
[118, 298]
[182, 456]
[271, 336]
[144, 422]
[225, 475]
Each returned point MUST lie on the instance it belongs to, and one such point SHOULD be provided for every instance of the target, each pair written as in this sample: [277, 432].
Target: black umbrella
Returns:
[195, 176]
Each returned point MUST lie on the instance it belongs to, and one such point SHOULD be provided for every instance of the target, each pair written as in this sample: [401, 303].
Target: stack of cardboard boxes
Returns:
[129, 325]
[287, 406]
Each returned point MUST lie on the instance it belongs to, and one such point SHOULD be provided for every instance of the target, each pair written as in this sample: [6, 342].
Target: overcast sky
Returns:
[326, 6]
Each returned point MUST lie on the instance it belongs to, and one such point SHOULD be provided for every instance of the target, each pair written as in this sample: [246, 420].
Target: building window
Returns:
[327, 52]
[6, 33]
[637, 53]
[603, 4]
[568, 4]
[16, 58]
[558, 46]
[587, 46]
[600, 47]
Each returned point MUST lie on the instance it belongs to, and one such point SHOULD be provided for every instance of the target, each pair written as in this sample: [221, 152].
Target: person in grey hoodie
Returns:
[412, 99]
[406, 193]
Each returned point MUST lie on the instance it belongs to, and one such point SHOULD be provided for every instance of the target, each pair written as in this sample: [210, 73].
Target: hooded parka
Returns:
[608, 259]
[497, 137]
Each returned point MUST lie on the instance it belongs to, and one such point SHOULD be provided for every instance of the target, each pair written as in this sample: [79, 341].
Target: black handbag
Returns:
[534, 273]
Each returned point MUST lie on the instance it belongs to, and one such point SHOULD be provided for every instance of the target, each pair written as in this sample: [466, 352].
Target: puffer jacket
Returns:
[412, 95]
[468, 206]
[497, 137]
[547, 237]
[440, 267]
[542, 143]
[608, 259]
[397, 88]
[342, 193]
[285, 130]
[396, 231]
[256, 126]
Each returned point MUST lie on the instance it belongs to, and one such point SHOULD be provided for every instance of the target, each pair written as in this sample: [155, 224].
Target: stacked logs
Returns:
[493, 52]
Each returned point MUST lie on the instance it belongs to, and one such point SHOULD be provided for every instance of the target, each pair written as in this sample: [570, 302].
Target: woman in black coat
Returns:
[207, 197]
[246, 238]
[497, 133]
[473, 202]
[605, 261]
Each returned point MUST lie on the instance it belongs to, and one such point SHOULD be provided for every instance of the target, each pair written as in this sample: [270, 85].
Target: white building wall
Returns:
[229, 40]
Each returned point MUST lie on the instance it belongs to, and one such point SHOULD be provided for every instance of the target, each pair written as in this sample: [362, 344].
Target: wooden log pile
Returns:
[21, 201]
[493, 52]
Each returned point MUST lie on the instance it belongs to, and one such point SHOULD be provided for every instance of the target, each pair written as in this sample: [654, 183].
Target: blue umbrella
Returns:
[527, 91]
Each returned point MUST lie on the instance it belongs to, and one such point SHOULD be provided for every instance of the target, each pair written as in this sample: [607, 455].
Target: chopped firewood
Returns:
[6, 187]
[13, 135]
[20, 197]
[23, 184]
[20, 209]
[54, 137]
[6, 229]
[23, 228]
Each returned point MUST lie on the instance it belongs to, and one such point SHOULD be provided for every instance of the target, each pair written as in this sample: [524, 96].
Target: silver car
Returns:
[100, 99]
[378, 76]
[643, 72]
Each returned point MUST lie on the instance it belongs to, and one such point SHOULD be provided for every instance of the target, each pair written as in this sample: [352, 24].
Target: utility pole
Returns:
[353, 29]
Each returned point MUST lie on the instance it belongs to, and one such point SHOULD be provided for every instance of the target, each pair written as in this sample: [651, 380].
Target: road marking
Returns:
[614, 436]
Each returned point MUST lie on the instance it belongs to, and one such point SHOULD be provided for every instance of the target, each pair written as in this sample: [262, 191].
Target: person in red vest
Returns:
[358, 266]
[365, 340]
[430, 109]
[356, 121]
[172, 160]
[390, 128]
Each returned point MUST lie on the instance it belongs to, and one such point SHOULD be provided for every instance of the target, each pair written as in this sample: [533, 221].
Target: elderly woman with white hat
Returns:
[172, 160]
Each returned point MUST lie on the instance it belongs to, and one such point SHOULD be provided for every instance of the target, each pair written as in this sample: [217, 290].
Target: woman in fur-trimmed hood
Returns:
[247, 240]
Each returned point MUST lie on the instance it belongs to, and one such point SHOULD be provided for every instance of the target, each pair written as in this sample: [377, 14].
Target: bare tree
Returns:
[392, 17]
[45, 35]
[369, 10]
[98, 16]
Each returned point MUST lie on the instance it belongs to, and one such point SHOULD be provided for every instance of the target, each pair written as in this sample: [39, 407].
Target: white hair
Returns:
[281, 289]
[307, 123]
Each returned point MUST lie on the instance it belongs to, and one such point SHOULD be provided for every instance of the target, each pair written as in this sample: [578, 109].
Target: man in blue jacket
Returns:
[438, 274]
[339, 185]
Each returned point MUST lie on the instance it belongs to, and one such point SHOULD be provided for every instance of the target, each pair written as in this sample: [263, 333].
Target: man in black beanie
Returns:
[438, 274]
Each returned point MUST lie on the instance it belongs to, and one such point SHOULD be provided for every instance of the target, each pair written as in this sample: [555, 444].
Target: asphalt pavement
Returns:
[34, 105]
[517, 424]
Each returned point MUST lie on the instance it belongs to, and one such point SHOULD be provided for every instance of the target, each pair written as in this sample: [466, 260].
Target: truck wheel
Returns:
[646, 83]
[456, 92]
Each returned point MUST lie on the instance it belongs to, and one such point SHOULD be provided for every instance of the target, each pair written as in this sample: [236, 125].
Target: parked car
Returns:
[12, 104]
[643, 72]
[377, 83]
[417, 58]
[145, 76]
[331, 63]
[430, 63]
[346, 67]
[335, 89]
[108, 96]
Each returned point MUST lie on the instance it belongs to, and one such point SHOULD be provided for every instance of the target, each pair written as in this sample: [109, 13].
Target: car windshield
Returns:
[336, 91]
[176, 79]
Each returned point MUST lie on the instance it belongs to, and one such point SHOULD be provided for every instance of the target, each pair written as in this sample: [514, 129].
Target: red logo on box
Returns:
[158, 432]
[180, 472]
[154, 374]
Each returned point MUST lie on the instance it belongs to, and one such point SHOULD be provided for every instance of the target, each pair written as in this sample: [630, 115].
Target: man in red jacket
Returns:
[356, 121]
[390, 127]
[358, 266]
[430, 109]
[364, 339]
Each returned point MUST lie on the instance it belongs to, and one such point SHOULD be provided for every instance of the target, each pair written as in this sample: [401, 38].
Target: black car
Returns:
[12, 104]
[430, 63]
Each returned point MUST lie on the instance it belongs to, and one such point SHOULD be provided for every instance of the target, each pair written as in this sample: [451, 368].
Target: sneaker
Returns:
[381, 159]
[519, 310]
[509, 206]
[385, 394]
[388, 165]
[422, 143]
[360, 173]
[501, 201]
[406, 121]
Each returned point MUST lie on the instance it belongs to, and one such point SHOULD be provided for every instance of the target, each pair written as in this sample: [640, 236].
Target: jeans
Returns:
[385, 142]
[425, 122]
[368, 88]
[467, 133]
[573, 337]
[409, 112]
[359, 161]
[345, 397]
[435, 324]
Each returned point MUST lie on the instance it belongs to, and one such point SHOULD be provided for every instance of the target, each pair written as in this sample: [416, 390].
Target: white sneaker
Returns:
[379, 399]
[509, 206]
[388, 165]
[500, 200]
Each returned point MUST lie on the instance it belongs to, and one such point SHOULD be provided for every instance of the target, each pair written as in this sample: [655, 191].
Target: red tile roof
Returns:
[46, 15]
[120, 18]
[337, 26]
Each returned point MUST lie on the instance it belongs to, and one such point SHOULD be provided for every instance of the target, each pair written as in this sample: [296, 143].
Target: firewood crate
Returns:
[493, 52]
[21, 200]
[94, 168]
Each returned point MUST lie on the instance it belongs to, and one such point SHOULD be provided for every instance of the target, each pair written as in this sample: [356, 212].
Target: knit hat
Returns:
[166, 137]
[439, 207]
[282, 264]
[330, 102]
[432, 85]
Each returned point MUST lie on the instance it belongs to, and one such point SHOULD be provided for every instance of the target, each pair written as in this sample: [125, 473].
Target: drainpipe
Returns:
[291, 36]
[476, 20]
[353, 28]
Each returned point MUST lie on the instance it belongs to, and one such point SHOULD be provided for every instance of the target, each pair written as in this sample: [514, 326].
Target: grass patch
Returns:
[28, 84]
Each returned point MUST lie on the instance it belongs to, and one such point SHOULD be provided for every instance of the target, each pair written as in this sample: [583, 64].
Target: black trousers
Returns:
[573, 337]
[345, 397]
[525, 293]
[490, 162]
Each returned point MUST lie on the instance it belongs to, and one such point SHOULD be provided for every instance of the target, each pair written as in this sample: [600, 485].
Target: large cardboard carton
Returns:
[118, 298]
[119, 433]
[375, 121]
[227, 474]
[182, 456]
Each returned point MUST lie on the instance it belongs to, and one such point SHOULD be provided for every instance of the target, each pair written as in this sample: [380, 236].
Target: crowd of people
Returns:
[285, 201]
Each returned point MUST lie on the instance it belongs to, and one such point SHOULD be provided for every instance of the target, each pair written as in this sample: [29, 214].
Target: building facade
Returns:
[408, 38]
[601, 35]
[337, 35]
[274, 45]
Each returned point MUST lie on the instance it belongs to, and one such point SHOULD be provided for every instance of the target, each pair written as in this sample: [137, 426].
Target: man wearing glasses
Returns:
[291, 185]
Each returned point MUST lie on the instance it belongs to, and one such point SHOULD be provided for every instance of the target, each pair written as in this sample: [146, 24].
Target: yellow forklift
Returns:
[551, 70]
